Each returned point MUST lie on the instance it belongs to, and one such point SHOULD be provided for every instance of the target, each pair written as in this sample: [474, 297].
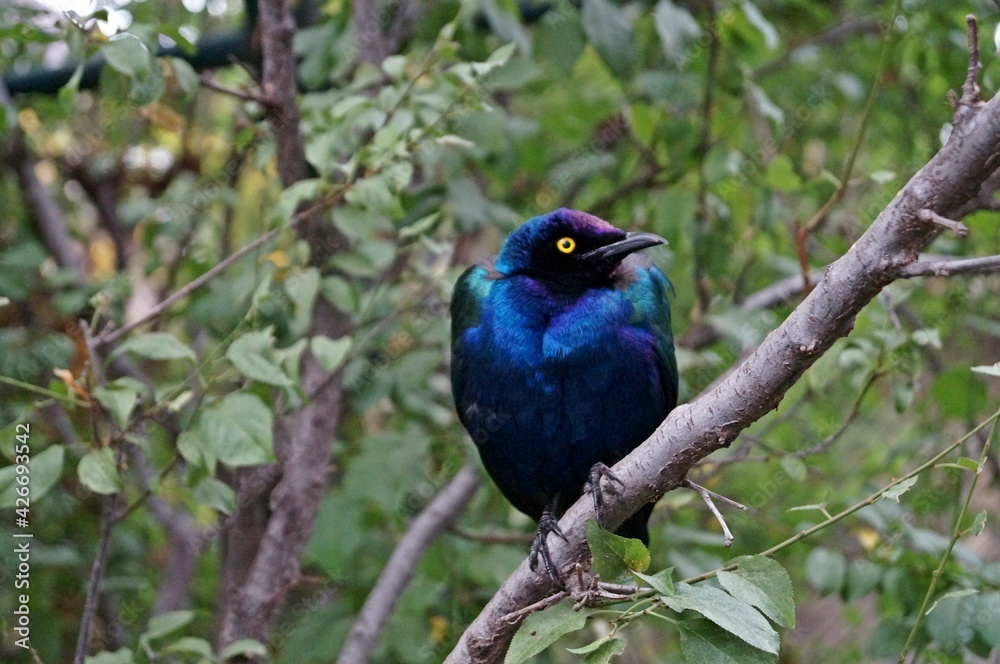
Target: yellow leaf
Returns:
[439, 628]
[868, 537]
[103, 255]
[67, 377]
[279, 258]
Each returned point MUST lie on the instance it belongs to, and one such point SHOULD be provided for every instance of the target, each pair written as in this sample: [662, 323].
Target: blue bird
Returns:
[562, 362]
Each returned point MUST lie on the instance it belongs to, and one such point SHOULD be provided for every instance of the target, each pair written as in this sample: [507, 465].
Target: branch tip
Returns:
[970, 90]
[932, 217]
[707, 496]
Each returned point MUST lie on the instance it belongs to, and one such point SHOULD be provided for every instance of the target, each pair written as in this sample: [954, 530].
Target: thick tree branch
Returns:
[380, 29]
[278, 88]
[692, 431]
[277, 505]
[437, 516]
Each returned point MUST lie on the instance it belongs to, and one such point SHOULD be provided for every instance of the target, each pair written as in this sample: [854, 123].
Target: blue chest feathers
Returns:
[548, 385]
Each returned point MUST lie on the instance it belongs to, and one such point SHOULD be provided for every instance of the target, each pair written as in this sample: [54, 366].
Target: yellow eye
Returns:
[566, 245]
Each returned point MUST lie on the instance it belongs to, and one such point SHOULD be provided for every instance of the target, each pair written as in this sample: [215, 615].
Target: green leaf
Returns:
[156, 346]
[662, 582]
[165, 623]
[215, 494]
[603, 655]
[186, 76]
[330, 352]
[894, 492]
[190, 644]
[610, 31]
[99, 472]
[986, 625]
[979, 523]
[590, 647]
[126, 54]
[614, 555]
[374, 193]
[238, 430]
[794, 467]
[302, 285]
[173, 32]
[703, 642]
[559, 39]
[251, 354]
[781, 174]
[958, 397]
[421, 226]
[964, 592]
[968, 464]
[44, 467]
[542, 629]
[729, 613]
[863, 576]
[676, 28]
[122, 656]
[192, 447]
[757, 20]
[245, 648]
[394, 67]
[825, 570]
[295, 195]
[763, 583]
[119, 403]
[951, 620]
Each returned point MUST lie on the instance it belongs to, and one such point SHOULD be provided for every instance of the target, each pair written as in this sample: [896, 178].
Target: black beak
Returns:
[618, 250]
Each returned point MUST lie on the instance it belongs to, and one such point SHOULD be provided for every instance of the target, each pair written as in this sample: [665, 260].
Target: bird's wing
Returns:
[650, 298]
[466, 312]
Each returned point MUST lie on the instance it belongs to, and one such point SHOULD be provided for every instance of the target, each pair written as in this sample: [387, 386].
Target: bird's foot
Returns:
[540, 549]
[707, 496]
[593, 486]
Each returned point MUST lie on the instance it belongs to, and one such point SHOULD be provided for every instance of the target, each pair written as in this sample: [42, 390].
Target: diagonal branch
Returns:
[37, 199]
[693, 431]
[437, 516]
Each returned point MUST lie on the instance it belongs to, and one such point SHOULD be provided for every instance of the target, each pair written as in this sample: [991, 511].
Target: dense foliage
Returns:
[759, 138]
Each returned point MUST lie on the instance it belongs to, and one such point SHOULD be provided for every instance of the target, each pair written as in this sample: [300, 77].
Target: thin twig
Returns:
[707, 496]
[947, 268]
[492, 537]
[108, 504]
[113, 335]
[439, 513]
[823, 445]
[209, 82]
[970, 90]
[932, 217]
[96, 365]
[544, 603]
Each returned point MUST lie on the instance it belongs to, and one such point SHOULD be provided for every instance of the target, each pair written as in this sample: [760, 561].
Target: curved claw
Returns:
[593, 486]
[547, 524]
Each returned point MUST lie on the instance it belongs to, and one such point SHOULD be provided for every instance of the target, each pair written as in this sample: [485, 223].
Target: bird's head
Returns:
[569, 247]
